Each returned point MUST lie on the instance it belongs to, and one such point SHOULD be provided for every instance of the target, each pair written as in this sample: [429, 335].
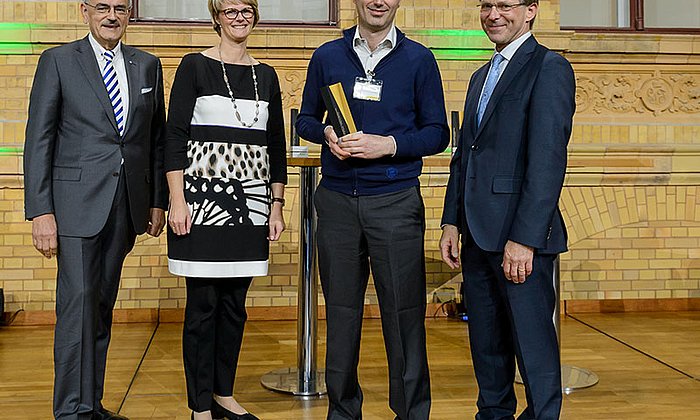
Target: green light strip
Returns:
[448, 44]
[15, 37]
[15, 26]
[457, 44]
[14, 48]
[11, 151]
[462, 54]
[16, 32]
[471, 33]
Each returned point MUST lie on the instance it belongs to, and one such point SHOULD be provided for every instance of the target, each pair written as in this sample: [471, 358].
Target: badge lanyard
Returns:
[368, 88]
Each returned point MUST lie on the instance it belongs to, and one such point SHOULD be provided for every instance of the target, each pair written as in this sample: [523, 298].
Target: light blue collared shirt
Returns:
[508, 52]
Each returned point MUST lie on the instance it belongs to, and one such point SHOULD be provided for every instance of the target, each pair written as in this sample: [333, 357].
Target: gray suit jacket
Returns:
[73, 151]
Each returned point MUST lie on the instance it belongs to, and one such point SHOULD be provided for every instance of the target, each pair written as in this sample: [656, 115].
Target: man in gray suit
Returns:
[93, 181]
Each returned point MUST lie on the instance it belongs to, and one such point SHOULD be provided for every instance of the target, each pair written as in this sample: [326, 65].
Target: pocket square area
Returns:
[146, 90]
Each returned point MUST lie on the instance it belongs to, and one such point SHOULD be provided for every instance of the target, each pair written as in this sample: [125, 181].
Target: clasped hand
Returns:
[359, 145]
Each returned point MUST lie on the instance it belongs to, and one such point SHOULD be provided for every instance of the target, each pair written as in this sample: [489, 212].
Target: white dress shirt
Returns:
[119, 66]
[369, 58]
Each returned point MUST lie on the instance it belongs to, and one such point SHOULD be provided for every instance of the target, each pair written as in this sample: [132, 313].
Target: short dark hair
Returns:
[529, 3]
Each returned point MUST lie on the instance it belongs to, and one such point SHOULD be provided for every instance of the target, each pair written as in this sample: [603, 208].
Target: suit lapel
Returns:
[513, 70]
[132, 74]
[473, 99]
[91, 69]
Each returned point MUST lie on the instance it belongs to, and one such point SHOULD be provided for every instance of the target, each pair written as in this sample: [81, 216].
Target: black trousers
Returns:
[89, 270]
[385, 233]
[509, 322]
[215, 317]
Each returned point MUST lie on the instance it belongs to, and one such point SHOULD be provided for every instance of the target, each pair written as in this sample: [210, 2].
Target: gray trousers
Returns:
[385, 233]
[88, 281]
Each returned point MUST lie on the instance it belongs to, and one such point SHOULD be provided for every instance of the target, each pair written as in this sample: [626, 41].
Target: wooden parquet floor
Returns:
[648, 364]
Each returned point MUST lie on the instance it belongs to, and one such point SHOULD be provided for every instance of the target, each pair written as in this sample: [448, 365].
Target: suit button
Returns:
[116, 174]
[475, 147]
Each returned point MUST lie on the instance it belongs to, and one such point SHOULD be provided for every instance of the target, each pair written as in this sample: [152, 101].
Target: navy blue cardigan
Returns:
[412, 109]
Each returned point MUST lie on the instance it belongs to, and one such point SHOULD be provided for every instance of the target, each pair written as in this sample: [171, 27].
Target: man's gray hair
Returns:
[88, 2]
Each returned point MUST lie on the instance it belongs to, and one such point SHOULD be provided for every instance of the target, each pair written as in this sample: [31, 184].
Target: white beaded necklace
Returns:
[233, 99]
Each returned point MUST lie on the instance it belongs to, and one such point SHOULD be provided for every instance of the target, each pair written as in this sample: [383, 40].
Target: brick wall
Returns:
[631, 194]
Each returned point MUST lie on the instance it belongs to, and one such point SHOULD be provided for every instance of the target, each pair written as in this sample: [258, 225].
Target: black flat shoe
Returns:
[218, 412]
[104, 414]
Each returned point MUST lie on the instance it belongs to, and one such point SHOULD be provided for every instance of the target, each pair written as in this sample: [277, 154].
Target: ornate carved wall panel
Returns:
[639, 93]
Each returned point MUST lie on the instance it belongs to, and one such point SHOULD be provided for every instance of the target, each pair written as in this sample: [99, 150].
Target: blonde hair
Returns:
[215, 7]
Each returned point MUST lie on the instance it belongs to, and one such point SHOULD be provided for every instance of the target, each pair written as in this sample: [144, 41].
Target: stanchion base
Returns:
[572, 378]
[286, 380]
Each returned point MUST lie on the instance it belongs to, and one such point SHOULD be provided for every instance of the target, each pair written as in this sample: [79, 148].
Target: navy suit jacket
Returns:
[507, 174]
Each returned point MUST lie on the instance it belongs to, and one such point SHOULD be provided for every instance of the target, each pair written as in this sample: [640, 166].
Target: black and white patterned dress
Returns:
[228, 168]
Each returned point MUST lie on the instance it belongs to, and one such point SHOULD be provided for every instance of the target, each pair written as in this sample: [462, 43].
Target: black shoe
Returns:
[218, 412]
[104, 414]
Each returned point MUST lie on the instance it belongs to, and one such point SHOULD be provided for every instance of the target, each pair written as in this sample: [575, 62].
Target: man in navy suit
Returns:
[502, 197]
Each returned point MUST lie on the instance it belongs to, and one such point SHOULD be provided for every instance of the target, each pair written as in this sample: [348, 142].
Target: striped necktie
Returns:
[489, 86]
[109, 76]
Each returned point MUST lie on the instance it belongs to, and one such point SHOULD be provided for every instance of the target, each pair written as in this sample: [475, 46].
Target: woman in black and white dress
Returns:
[226, 169]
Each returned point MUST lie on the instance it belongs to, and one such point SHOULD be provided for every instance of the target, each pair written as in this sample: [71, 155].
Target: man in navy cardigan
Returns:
[370, 211]
[502, 196]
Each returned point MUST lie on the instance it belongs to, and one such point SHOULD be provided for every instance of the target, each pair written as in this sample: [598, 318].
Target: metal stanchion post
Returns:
[305, 379]
[572, 377]
[311, 380]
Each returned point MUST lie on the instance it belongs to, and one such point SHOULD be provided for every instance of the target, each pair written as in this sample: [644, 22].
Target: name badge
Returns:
[367, 89]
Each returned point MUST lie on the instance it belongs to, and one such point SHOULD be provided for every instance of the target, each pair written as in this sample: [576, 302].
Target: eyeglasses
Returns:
[486, 8]
[104, 9]
[232, 13]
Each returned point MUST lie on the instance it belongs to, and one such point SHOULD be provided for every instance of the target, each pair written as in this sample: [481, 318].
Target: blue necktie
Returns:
[109, 76]
[489, 86]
